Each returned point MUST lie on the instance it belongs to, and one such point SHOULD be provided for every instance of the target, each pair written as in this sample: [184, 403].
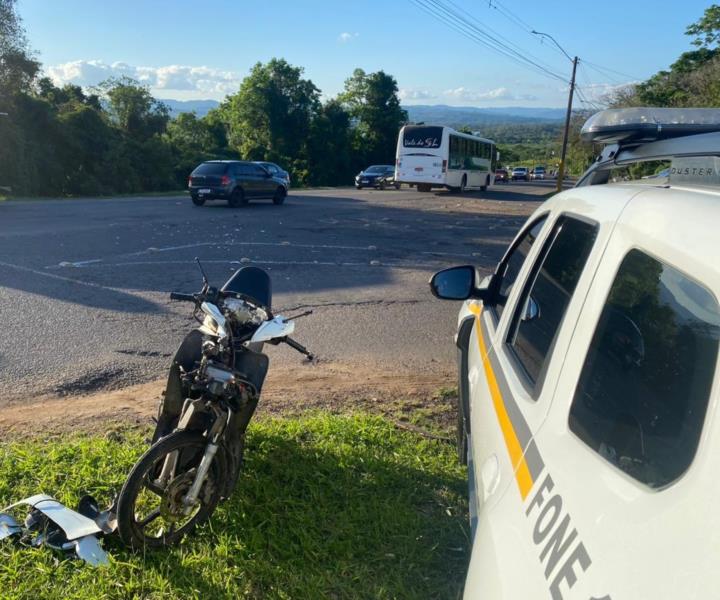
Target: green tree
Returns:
[373, 103]
[692, 80]
[18, 68]
[194, 140]
[86, 141]
[133, 108]
[270, 116]
[329, 154]
[707, 29]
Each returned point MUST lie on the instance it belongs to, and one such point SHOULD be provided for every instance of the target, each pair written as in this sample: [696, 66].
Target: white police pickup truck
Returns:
[589, 399]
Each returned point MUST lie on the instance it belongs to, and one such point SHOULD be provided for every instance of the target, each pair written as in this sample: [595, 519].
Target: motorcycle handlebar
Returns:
[182, 297]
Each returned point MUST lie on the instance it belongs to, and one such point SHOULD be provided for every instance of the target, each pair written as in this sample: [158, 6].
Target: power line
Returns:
[583, 98]
[464, 27]
[584, 91]
[600, 69]
[508, 42]
[507, 13]
[516, 50]
[519, 54]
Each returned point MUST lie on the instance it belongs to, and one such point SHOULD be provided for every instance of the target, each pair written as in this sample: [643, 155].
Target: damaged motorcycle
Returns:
[212, 391]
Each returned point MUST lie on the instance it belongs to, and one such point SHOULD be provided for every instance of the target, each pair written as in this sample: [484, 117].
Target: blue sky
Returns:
[193, 50]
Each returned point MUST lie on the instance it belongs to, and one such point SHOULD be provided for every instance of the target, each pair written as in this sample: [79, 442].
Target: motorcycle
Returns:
[212, 391]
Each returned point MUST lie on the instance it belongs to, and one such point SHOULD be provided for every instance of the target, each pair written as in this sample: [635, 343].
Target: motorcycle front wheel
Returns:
[150, 508]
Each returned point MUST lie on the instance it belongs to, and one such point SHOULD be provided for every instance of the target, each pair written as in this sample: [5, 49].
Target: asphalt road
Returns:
[84, 283]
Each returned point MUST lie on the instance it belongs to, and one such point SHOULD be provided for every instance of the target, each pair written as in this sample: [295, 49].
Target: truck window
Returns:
[510, 266]
[644, 388]
[547, 294]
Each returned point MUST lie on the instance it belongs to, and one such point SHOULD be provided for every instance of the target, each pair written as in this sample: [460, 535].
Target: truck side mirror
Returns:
[459, 283]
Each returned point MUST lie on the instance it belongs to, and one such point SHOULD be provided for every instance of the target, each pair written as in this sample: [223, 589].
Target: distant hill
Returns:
[439, 114]
[457, 116]
[199, 107]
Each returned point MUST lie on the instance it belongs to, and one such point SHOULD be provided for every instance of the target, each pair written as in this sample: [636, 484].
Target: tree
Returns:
[270, 116]
[707, 29]
[17, 66]
[373, 103]
[329, 158]
[192, 141]
[692, 80]
[69, 93]
[133, 108]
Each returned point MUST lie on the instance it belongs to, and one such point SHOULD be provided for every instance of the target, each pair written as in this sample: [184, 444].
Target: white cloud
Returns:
[187, 79]
[498, 94]
[410, 94]
[346, 37]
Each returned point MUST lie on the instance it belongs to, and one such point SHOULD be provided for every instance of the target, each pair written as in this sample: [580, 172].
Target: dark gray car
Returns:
[276, 170]
[236, 181]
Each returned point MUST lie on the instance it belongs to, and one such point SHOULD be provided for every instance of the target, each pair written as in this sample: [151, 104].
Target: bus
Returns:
[433, 156]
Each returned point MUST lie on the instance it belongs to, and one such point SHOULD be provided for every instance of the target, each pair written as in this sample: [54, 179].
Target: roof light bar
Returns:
[641, 125]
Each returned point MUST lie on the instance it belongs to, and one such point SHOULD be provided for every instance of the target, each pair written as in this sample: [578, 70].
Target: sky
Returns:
[202, 50]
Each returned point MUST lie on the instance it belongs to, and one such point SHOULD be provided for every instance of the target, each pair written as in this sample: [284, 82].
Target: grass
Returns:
[326, 507]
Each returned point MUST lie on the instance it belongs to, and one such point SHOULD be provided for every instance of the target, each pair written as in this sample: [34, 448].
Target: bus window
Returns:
[455, 157]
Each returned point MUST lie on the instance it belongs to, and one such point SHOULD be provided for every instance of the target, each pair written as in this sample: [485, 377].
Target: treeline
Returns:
[117, 138]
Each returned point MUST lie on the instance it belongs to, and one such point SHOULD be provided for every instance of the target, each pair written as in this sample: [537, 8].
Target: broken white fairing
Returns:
[277, 328]
[79, 530]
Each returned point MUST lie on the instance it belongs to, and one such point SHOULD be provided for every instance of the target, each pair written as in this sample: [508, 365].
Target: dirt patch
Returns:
[426, 399]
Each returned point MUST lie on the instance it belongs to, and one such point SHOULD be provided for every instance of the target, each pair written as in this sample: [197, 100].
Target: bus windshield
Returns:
[419, 136]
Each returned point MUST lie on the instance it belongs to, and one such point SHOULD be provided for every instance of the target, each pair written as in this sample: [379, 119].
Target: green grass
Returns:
[327, 507]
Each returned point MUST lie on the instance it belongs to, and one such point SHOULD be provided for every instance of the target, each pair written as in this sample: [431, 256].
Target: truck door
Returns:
[629, 440]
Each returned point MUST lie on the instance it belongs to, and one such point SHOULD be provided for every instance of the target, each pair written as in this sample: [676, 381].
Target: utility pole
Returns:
[566, 133]
[574, 61]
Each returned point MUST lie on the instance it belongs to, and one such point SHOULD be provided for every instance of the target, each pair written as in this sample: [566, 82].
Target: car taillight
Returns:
[444, 167]
[189, 181]
[225, 180]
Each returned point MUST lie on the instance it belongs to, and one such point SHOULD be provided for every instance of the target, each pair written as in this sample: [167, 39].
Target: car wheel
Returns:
[358, 187]
[198, 201]
[237, 198]
[279, 196]
[397, 186]
[381, 185]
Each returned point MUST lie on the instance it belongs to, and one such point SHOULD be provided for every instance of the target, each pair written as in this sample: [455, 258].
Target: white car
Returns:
[589, 386]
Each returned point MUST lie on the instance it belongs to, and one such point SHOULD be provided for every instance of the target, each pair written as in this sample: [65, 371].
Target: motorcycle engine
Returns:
[240, 311]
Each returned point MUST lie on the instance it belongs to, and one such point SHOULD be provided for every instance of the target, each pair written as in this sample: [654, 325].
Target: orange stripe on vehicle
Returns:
[515, 449]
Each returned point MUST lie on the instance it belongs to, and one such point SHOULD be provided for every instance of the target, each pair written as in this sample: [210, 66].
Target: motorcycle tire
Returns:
[134, 527]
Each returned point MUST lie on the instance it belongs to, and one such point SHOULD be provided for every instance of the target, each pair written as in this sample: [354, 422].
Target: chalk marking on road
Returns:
[80, 263]
[62, 278]
[153, 250]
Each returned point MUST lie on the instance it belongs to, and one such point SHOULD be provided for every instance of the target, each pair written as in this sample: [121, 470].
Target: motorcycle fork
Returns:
[222, 418]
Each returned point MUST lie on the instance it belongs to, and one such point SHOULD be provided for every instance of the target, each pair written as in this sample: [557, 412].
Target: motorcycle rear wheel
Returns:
[150, 514]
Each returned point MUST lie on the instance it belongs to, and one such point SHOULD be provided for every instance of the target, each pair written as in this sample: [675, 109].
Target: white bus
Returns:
[431, 156]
